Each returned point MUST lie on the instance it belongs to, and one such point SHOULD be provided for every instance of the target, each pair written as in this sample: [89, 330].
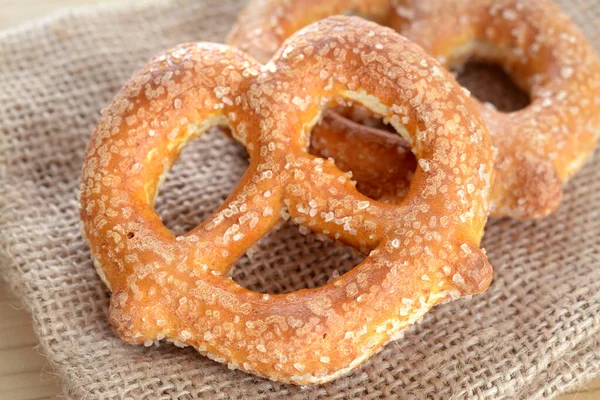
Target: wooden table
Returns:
[24, 373]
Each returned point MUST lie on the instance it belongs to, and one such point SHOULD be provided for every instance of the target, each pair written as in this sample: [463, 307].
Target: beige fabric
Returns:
[534, 333]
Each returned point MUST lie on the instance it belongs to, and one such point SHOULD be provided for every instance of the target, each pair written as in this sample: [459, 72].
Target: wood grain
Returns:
[24, 373]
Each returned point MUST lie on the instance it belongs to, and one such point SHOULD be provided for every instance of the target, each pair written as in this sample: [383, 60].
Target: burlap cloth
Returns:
[533, 334]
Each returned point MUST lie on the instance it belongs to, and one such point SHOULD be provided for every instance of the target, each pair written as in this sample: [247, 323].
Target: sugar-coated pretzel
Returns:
[420, 253]
[539, 147]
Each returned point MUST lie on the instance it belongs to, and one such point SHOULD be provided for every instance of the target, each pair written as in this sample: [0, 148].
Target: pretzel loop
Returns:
[421, 252]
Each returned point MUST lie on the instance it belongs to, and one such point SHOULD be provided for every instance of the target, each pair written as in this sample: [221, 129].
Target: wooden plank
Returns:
[580, 396]
[28, 386]
[24, 373]
[589, 391]
[13, 12]
[16, 325]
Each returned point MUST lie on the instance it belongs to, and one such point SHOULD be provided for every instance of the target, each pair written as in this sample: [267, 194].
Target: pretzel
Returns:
[420, 253]
[539, 147]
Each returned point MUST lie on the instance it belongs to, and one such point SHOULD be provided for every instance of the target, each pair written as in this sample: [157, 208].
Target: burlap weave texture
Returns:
[533, 334]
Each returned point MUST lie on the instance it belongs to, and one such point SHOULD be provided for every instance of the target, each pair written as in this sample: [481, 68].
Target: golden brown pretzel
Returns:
[420, 253]
[539, 147]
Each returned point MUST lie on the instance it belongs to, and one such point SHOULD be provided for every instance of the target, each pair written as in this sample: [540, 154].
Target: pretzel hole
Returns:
[489, 83]
[492, 73]
[206, 172]
[362, 144]
[291, 258]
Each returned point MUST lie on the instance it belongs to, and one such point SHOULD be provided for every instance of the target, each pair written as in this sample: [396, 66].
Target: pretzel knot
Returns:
[420, 253]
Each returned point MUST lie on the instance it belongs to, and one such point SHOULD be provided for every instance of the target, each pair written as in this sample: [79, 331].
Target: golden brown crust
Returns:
[420, 253]
[539, 147]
